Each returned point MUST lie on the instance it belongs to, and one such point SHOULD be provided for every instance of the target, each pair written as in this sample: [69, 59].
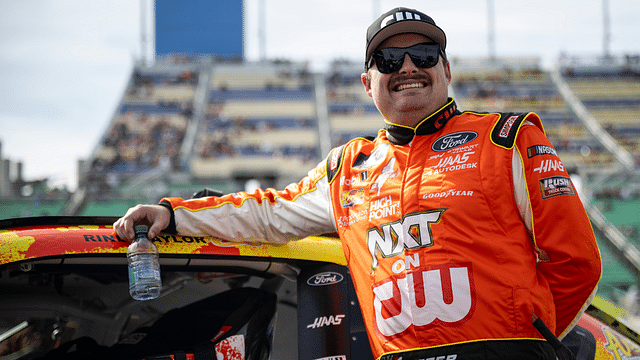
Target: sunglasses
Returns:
[390, 60]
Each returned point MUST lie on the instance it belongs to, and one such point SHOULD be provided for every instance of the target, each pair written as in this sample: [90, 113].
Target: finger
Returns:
[124, 225]
[127, 229]
[154, 230]
[117, 227]
[160, 222]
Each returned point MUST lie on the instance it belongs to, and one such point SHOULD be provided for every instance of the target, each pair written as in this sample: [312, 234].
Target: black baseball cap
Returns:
[402, 20]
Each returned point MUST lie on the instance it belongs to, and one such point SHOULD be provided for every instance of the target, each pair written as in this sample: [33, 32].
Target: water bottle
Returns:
[144, 268]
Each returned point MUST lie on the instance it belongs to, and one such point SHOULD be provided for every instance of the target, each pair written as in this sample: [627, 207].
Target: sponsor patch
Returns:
[450, 141]
[556, 186]
[444, 117]
[430, 171]
[446, 296]
[506, 127]
[536, 150]
[352, 197]
[384, 207]
[354, 217]
[549, 165]
[393, 238]
[452, 163]
[345, 181]
[355, 179]
[446, 194]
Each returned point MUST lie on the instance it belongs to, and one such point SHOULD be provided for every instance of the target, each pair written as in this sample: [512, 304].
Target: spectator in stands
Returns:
[459, 228]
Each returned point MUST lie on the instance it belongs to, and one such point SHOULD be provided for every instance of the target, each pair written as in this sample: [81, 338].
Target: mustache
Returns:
[403, 78]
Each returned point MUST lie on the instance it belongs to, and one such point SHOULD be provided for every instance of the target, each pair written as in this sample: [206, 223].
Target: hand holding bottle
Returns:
[156, 216]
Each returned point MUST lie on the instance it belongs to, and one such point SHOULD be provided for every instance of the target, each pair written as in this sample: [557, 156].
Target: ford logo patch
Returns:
[453, 140]
[326, 278]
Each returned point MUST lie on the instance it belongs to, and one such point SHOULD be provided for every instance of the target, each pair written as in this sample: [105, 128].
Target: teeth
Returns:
[409, 86]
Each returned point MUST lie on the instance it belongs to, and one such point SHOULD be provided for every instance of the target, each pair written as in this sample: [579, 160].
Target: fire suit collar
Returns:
[402, 135]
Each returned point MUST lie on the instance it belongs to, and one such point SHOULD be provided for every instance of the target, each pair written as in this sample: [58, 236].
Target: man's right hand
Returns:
[157, 217]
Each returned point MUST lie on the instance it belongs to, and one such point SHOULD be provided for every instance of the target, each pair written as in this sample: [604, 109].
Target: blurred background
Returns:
[109, 104]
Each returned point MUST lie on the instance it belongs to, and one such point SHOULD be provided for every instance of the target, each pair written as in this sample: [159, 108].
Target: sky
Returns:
[64, 64]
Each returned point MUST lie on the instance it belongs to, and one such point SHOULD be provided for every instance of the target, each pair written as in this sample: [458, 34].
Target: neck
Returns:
[402, 134]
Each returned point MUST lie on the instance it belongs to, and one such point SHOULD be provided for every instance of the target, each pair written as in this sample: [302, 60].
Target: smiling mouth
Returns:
[415, 85]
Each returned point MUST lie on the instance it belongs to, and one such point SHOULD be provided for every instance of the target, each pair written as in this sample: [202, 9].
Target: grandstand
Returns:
[259, 118]
[186, 124]
[352, 112]
[519, 84]
[610, 89]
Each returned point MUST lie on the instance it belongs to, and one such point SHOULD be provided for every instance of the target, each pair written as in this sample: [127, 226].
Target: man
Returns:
[459, 228]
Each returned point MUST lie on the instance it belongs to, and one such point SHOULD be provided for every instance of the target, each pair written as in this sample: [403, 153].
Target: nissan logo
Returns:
[453, 140]
[325, 278]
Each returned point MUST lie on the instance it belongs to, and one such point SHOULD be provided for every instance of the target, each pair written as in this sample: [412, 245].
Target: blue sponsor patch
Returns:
[536, 150]
[453, 140]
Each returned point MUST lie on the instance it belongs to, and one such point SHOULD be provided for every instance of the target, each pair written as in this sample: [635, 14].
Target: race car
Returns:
[64, 295]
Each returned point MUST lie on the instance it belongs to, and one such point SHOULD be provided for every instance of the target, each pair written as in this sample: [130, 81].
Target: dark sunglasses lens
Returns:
[424, 56]
[390, 60]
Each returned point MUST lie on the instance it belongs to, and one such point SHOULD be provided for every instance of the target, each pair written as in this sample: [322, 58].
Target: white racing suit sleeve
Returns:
[520, 193]
[302, 209]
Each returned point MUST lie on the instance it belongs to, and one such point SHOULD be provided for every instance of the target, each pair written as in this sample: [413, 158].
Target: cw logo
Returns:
[424, 297]
[412, 232]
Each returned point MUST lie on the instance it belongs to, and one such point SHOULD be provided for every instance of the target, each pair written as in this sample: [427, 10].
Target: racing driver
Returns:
[459, 228]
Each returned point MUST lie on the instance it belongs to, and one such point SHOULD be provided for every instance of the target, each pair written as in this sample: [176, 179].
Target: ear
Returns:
[366, 82]
[447, 72]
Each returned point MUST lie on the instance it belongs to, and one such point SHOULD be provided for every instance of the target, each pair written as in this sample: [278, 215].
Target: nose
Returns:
[408, 67]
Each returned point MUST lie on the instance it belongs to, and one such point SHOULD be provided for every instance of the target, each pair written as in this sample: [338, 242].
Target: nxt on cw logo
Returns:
[412, 232]
[443, 293]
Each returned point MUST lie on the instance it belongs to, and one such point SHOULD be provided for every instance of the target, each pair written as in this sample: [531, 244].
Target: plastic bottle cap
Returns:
[141, 229]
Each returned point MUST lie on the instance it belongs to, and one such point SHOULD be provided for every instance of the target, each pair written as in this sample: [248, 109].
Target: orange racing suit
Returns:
[457, 231]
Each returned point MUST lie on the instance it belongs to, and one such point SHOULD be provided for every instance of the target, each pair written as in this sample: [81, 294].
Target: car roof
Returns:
[69, 241]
